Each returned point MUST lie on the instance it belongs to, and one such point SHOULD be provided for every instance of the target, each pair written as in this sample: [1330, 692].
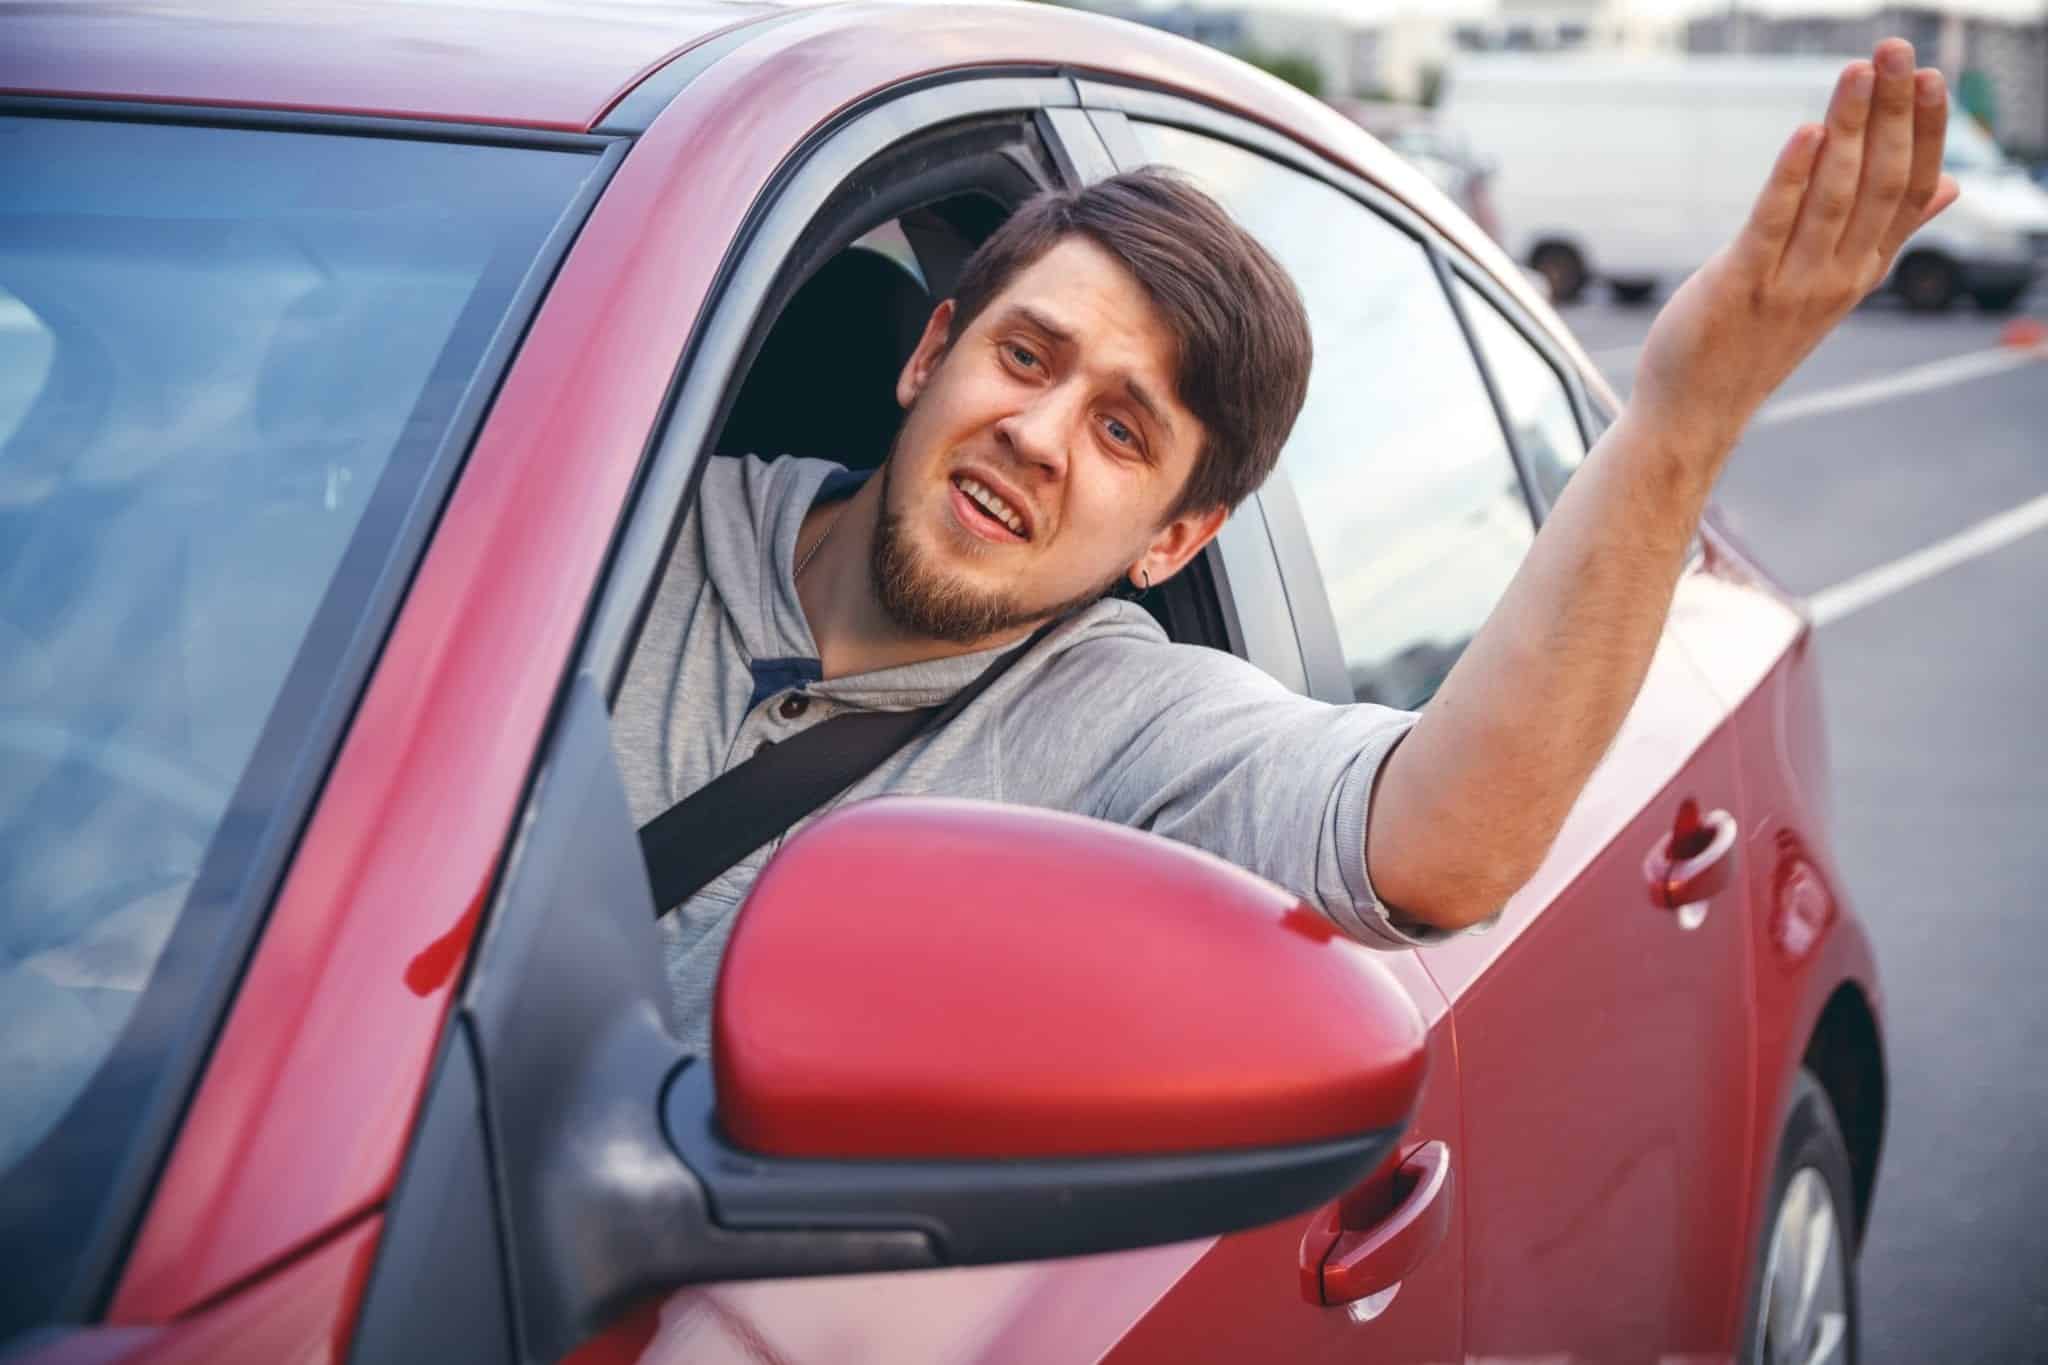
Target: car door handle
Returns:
[1375, 1259]
[1694, 864]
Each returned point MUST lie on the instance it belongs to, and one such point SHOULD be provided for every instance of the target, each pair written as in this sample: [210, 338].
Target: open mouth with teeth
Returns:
[988, 508]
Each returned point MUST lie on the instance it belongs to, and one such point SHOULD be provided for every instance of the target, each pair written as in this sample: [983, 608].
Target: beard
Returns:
[922, 600]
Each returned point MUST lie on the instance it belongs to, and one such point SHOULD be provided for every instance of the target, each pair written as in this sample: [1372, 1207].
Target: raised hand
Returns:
[1841, 201]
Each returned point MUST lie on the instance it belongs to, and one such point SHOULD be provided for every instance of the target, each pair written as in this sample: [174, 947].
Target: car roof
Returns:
[528, 63]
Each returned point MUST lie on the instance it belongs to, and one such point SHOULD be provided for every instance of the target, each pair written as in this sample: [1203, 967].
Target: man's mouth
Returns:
[988, 511]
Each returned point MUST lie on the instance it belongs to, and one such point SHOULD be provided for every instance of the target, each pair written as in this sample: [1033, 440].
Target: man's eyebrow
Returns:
[1139, 393]
[1032, 317]
[1144, 400]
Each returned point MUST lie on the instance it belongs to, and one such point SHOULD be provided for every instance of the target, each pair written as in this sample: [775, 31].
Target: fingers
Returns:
[1888, 152]
[1761, 245]
[1837, 174]
[1925, 184]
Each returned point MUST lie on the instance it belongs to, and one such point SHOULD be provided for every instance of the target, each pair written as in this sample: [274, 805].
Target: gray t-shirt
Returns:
[1105, 717]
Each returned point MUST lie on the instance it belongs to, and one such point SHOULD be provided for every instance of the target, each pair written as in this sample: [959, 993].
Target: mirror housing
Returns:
[1026, 1034]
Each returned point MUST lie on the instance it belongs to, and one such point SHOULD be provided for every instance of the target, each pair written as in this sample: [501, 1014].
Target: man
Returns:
[1119, 366]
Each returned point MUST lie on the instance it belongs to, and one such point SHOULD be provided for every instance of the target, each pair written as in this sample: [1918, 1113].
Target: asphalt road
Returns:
[1937, 705]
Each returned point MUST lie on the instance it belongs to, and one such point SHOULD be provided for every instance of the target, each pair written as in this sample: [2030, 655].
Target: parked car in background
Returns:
[1633, 171]
[360, 364]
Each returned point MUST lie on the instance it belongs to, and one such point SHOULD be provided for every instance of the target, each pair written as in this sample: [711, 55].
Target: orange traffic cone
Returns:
[2024, 333]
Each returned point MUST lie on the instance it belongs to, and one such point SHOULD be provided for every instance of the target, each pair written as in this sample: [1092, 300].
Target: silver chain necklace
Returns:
[817, 545]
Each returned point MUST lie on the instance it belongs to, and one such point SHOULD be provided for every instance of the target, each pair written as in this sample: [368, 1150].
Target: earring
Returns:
[1145, 574]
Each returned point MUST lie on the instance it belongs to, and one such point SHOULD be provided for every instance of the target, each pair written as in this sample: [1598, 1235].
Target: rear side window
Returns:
[1539, 407]
[1413, 506]
[227, 358]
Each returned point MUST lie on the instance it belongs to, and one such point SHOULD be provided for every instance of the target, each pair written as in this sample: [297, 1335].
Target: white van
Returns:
[1635, 170]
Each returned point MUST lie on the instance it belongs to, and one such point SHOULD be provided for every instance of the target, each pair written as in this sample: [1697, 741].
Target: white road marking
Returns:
[1918, 379]
[1854, 594]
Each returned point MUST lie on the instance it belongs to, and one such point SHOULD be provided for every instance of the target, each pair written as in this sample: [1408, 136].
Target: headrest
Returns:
[824, 384]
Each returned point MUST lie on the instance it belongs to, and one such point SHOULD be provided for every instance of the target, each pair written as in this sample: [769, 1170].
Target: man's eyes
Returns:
[1118, 431]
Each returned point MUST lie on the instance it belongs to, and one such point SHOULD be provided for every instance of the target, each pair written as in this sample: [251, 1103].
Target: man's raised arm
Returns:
[1468, 804]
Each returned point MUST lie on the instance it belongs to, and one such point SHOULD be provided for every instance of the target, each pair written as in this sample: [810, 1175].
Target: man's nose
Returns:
[1040, 432]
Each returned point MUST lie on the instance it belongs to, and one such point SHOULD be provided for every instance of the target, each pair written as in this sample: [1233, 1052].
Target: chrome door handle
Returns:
[1694, 864]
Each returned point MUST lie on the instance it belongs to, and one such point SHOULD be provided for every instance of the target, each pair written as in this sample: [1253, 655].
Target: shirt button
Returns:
[793, 705]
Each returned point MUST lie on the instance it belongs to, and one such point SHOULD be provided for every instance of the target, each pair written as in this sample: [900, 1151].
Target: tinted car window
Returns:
[1413, 507]
[1539, 407]
[226, 358]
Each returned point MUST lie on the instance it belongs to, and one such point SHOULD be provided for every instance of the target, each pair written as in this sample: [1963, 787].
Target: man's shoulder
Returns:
[1116, 642]
[751, 489]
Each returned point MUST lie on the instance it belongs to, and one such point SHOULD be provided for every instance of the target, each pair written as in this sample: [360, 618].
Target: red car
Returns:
[356, 365]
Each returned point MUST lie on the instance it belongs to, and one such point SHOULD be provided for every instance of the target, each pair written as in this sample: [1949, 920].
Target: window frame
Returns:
[1539, 340]
[253, 845]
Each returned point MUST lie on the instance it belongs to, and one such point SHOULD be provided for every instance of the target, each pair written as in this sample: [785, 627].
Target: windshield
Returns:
[1969, 147]
[227, 358]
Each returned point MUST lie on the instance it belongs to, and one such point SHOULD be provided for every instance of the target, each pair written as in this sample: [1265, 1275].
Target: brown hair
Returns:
[1244, 349]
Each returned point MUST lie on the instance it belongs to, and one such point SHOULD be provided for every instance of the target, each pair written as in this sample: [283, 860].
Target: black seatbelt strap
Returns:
[691, 843]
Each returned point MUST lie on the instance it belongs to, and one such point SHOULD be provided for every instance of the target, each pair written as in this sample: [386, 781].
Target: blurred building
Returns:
[1998, 67]
[1394, 49]
[1567, 26]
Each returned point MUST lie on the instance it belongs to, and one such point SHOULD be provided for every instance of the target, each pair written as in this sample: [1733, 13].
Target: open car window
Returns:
[823, 383]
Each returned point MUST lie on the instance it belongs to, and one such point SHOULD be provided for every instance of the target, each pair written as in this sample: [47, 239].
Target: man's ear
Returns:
[1175, 544]
[931, 349]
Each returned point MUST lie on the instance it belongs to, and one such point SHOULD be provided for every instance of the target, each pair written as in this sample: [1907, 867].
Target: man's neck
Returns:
[837, 590]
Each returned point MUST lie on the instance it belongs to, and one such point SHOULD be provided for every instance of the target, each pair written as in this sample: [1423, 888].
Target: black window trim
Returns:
[1538, 340]
[259, 832]
[1447, 277]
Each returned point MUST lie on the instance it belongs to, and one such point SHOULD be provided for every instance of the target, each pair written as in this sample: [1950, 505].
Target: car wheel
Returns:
[1632, 291]
[1999, 300]
[1802, 1306]
[1562, 269]
[1928, 283]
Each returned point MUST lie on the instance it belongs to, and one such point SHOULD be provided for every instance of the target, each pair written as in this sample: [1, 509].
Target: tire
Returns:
[1562, 268]
[1632, 291]
[1811, 1198]
[1999, 301]
[1928, 283]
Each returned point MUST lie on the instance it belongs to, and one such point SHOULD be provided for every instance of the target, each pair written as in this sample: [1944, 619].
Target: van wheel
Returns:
[1928, 283]
[1999, 300]
[1802, 1305]
[1562, 269]
[1632, 291]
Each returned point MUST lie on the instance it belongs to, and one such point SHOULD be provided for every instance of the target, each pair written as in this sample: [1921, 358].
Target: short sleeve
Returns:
[1200, 746]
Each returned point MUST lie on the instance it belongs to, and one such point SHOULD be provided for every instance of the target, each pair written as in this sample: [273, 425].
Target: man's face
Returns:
[1040, 455]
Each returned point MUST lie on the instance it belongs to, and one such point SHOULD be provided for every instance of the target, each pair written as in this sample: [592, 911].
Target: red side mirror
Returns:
[915, 978]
